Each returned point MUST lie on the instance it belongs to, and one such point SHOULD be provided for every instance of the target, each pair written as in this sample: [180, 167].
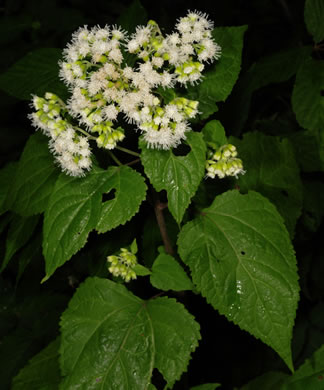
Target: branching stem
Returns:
[128, 151]
[111, 154]
[85, 133]
[133, 162]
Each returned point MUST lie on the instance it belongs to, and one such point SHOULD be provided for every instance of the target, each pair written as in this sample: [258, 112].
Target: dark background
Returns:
[29, 312]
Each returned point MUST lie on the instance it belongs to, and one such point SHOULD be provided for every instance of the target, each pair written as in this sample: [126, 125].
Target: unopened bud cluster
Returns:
[71, 150]
[122, 265]
[103, 85]
[223, 162]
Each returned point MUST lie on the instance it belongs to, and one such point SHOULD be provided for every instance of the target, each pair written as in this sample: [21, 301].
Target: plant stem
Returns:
[128, 151]
[85, 133]
[111, 154]
[158, 208]
[133, 162]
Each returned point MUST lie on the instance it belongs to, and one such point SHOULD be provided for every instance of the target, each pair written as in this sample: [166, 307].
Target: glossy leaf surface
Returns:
[242, 261]
[178, 175]
[124, 337]
[272, 170]
[35, 178]
[75, 208]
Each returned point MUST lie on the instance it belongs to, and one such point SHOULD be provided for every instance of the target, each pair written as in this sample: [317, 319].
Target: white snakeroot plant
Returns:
[103, 86]
[223, 241]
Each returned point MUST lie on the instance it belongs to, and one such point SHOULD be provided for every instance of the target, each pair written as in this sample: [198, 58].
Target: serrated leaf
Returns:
[75, 208]
[214, 132]
[36, 73]
[35, 178]
[206, 386]
[178, 175]
[275, 68]
[314, 16]
[73, 211]
[123, 337]
[219, 81]
[310, 375]
[130, 192]
[271, 169]
[6, 175]
[272, 380]
[20, 231]
[242, 261]
[307, 99]
[176, 335]
[167, 274]
[42, 372]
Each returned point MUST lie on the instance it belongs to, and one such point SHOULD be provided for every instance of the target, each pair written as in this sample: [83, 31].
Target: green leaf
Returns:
[133, 16]
[214, 132]
[133, 247]
[313, 210]
[42, 372]
[30, 253]
[178, 175]
[5, 220]
[219, 81]
[75, 208]
[271, 169]
[310, 375]
[35, 178]
[206, 386]
[36, 73]
[123, 337]
[20, 231]
[130, 192]
[272, 380]
[307, 99]
[167, 274]
[6, 175]
[140, 270]
[275, 68]
[242, 261]
[176, 335]
[167, 94]
[309, 151]
[314, 16]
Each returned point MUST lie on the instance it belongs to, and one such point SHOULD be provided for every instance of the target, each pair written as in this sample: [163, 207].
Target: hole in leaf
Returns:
[242, 253]
[109, 195]
[181, 150]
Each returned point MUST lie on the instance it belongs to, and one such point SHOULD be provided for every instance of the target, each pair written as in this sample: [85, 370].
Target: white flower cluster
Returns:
[102, 86]
[224, 162]
[123, 264]
[71, 150]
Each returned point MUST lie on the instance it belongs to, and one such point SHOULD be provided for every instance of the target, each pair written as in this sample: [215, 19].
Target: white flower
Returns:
[116, 56]
[110, 112]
